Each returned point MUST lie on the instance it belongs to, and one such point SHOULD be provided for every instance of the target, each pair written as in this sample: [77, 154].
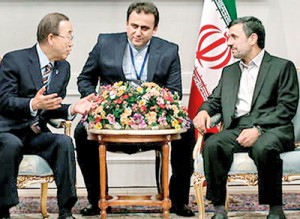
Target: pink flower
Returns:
[162, 120]
[138, 121]
[111, 118]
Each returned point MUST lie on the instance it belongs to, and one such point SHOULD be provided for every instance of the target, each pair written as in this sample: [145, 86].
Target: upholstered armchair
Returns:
[243, 168]
[34, 169]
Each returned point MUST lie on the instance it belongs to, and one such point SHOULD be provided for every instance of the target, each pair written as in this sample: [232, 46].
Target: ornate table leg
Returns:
[166, 202]
[103, 204]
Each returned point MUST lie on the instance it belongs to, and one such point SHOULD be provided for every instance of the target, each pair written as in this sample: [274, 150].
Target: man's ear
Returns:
[50, 38]
[254, 38]
[155, 30]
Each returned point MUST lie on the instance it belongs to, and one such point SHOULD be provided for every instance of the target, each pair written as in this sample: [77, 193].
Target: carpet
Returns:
[238, 202]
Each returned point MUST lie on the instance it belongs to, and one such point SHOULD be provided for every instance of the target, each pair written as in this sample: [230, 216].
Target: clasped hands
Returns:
[246, 138]
[53, 101]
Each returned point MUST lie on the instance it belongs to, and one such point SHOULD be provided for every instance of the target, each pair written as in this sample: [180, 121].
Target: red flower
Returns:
[125, 96]
[162, 106]
[118, 101]
[143, 108]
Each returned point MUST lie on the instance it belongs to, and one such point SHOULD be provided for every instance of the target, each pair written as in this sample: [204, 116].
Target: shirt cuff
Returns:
[70, 116]
[32, 112]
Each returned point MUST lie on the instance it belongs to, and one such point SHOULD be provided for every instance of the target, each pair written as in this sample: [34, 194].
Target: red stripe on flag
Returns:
[195, 101]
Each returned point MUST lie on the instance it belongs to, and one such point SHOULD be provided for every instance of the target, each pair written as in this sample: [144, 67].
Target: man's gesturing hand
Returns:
[46, 102]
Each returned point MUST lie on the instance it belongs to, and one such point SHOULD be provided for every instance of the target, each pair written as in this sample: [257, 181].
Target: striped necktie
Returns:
[46, 74]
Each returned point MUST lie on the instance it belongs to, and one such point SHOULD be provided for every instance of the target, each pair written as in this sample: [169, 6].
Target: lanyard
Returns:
[138, 76]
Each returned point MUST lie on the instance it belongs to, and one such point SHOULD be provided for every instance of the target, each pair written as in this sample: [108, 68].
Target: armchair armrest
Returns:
[214, 120]
[61, 123]
[297, 144]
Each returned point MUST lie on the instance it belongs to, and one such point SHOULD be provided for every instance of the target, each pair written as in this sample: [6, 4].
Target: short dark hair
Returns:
[252, 25]
[49, 24]
[146, 7]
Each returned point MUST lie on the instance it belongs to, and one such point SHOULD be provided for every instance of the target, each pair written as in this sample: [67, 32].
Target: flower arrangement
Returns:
[128, 105]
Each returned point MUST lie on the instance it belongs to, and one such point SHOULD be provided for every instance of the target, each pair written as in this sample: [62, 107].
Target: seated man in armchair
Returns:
[27, 101]
[257, 98]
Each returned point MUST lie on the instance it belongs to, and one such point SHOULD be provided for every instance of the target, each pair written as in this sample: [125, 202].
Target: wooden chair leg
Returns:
[44, 194]
[199, 193]
[158, 175]
[227, 200]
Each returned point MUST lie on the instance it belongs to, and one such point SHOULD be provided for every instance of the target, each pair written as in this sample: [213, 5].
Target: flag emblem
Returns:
[212, 47]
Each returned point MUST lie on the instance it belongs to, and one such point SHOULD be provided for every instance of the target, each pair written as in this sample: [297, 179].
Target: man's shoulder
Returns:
[278, 62]
[163, 42]
[277, 59]
[112, 36]
[19, 52]
[18, 56]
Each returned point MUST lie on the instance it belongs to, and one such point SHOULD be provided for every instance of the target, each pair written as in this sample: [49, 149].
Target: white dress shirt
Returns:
[247, 85]
[139, 56]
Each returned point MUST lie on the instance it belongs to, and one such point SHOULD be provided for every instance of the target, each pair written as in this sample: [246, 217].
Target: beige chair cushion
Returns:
[34, 165]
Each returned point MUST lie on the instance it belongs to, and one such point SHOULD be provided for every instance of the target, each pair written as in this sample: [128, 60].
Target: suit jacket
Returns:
[275, 97]
[20, 79]
[106, 59]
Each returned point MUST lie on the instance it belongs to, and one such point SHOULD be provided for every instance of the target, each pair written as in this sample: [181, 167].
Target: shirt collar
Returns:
[254, 62]
[139, 50]
[42, 57]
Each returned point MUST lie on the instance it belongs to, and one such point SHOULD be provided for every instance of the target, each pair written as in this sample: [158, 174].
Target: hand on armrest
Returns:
[214, 120]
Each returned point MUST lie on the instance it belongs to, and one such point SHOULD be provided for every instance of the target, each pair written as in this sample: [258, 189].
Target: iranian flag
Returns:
[212, 53]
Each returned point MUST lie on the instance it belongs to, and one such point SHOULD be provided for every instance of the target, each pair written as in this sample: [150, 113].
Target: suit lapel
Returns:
[153, 59]
[262, 74]
[233, 89]
[34, 68]
[120, 48]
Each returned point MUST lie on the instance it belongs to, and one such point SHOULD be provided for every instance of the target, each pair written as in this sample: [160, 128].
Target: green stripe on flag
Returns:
[227, 10]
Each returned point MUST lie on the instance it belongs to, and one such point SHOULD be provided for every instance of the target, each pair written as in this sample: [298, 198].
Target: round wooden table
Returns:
[163, 136]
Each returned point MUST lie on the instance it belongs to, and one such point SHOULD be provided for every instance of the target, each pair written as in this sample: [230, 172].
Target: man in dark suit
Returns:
[27, 104]
[135, 55]
[257, 97]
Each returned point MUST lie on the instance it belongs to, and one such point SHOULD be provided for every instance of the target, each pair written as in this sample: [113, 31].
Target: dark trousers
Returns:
[218, 157]
[56, 149]
[181, 161]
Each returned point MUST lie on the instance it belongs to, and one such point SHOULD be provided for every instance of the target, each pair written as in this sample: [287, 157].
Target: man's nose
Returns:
[229, 42]
[138, 31]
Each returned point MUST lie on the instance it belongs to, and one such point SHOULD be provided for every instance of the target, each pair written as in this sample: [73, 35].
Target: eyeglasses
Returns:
[69, 38]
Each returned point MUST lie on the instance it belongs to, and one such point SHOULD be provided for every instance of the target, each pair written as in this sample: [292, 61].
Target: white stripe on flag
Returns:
[212, 53]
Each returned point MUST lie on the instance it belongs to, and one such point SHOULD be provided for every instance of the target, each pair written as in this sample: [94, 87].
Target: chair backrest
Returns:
[296, 119]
